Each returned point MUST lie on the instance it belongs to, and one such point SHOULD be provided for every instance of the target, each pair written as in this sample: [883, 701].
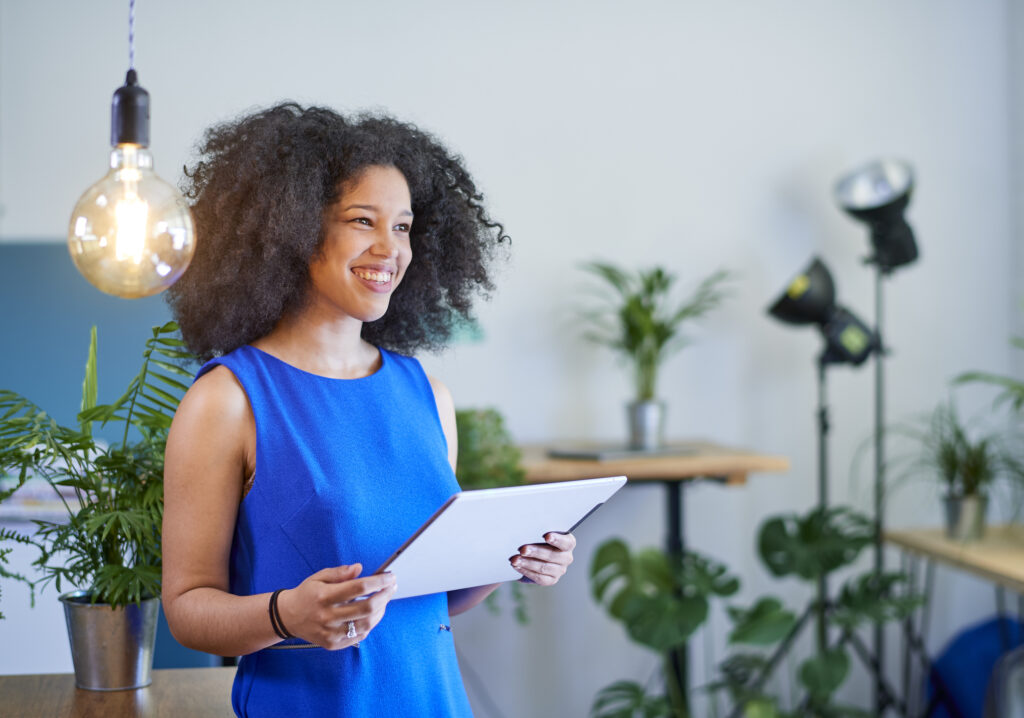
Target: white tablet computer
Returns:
[469, 540]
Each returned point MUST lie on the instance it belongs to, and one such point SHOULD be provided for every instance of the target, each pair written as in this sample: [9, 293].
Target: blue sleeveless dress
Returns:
[346, 470]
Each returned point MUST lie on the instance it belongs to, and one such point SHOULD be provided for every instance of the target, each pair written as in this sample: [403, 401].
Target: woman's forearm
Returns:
[208, 619]
[464, 599]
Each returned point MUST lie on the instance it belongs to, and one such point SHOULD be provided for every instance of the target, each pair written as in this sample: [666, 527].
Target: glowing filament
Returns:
[131, 214]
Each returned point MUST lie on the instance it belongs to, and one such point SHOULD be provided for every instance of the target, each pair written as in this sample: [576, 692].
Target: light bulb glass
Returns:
[131, 233]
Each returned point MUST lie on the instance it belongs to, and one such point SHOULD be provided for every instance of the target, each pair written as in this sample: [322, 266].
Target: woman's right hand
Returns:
[320, 608]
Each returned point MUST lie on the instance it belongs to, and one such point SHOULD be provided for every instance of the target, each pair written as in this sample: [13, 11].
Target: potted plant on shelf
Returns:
[967, 464]
[110, 541]
[641, 321]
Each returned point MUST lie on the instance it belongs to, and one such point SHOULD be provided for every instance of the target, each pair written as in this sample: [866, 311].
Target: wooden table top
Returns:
[998, 557]
[192, 692]
[703, 459]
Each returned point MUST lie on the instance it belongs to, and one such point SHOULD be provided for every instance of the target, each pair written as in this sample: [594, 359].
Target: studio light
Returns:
[878, 194]
[131, 233]
[811, 299]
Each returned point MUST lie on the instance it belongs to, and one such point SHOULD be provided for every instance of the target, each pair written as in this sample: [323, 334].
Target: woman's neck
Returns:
[333, 349]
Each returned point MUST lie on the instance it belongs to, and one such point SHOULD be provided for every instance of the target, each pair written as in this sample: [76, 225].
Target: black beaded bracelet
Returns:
[275, 617]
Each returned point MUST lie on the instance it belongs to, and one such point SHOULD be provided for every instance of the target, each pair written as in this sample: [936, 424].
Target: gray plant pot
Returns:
[112, 649]
[646, 424]
[965, 517]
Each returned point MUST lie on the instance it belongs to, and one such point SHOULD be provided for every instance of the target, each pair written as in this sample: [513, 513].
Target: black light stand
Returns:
[878, 194]
[879, 553]
[826, 358]
[810, 299]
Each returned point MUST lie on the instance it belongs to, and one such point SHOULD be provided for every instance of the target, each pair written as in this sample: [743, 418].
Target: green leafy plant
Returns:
[110, 543]
[815, 544]
[965, 461]
[1011, 389]
[642, 321]
[661, 600]
[489, 458]
[810, 547]
[11, 536]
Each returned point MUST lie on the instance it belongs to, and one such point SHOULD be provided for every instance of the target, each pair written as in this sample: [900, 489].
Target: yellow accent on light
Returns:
[798, 286]
[854, 339]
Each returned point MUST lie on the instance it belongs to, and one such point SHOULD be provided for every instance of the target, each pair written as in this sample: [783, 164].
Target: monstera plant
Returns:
[661, 600]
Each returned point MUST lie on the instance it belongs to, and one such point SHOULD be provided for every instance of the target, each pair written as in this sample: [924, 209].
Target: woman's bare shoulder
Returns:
[217, 391]
[215, 412]
[442, 395]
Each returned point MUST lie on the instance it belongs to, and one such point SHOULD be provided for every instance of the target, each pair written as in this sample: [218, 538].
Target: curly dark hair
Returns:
[258, 193]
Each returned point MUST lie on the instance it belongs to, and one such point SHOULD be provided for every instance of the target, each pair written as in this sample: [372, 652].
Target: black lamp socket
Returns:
[129, 113]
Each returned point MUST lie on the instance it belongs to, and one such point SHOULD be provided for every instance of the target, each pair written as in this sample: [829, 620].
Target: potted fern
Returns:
[641, 321]
[110, 542]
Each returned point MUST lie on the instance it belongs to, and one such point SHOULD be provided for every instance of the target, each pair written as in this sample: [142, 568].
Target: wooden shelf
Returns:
[703, 459]
[998, 557]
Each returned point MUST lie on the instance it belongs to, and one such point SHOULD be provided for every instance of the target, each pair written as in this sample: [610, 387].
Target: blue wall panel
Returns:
[46, 311]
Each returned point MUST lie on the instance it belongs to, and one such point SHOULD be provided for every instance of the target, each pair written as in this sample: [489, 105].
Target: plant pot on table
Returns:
[965, 516]
[646, 424]
[112, 648]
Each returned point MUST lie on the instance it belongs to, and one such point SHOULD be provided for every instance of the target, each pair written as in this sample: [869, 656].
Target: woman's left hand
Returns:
[545, 563]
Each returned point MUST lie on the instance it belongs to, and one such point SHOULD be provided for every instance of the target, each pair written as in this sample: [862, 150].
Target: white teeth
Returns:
[371, 276]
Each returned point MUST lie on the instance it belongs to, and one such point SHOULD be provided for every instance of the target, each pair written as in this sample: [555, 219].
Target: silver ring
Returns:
[351, 630]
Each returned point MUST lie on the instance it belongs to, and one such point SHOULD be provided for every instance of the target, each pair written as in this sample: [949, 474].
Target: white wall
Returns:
[694, 135]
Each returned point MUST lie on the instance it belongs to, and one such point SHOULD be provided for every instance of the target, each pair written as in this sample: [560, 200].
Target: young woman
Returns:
[310, 444]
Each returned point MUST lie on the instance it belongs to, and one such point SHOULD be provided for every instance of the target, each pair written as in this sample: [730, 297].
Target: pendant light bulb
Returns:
[131, 233]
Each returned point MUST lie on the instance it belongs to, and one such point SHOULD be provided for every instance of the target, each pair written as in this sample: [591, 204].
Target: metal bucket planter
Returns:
[965, 517]
[112, 648]
[646, 424]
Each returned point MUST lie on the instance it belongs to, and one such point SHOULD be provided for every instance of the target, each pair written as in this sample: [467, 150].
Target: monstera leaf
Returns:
[813, 545]
[822, 674]
[626, 699]
[661, 600]
[763, 624]
[870, 598]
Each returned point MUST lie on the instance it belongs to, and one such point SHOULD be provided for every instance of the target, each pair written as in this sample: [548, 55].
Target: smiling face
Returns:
[365, 250]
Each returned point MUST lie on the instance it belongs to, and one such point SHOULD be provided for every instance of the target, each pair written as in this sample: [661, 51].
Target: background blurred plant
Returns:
[641, 320]
[661, 601]
[1011, 388]
[489, 458]
[810, 547]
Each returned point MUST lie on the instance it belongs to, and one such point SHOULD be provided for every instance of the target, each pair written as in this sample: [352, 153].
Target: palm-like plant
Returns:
[1012, 388]
[641, 321]
[110, 544]
[945, 447]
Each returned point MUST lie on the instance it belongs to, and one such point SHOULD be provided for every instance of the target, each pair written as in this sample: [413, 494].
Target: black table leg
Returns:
[678, 657]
